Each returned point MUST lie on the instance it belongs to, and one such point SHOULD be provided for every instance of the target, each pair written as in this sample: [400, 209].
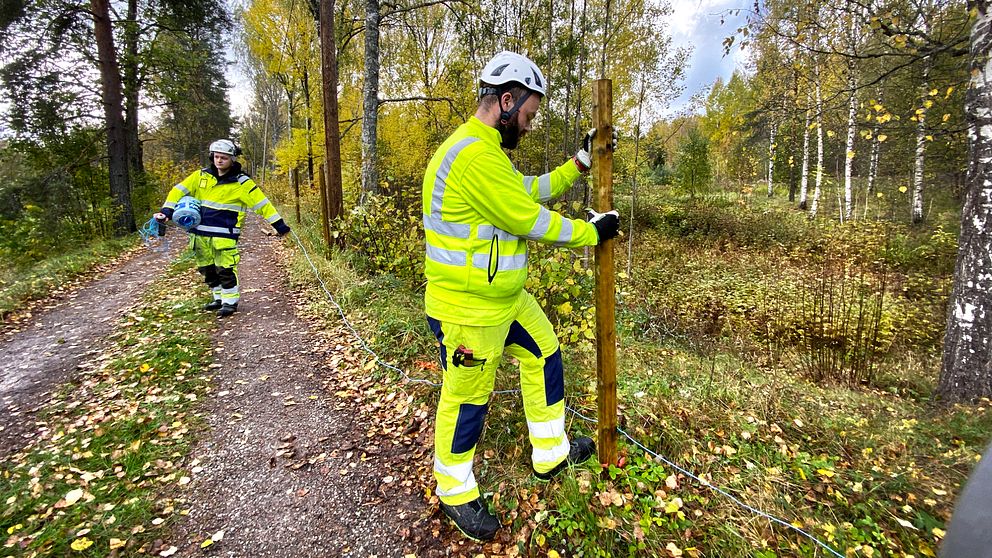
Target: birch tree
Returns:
[966, 371]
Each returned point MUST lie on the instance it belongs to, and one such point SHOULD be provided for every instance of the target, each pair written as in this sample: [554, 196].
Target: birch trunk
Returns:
[921, 140]
[966, 372]
[818, 173]
[771, 159]
[804, 180]
[852, 116]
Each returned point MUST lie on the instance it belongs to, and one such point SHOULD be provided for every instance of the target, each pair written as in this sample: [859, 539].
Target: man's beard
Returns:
[509, 133]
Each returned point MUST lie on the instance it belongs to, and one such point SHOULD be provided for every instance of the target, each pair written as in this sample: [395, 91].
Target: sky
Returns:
[696, 23]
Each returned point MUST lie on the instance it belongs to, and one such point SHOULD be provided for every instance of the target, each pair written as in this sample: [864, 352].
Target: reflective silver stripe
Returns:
[554, 455]
[217, 205]
[544, 187]
[541, 226]
[243, 178]
[260, 204]
[486, 233]
[230, 296]
[441, 178]
[449, 257]
[275, 217]
[461, 473]
[550, 429]
[529, 184]
[182, 189]
[565, 234]
[169, 204]
[440, 226]
[223, 230]
[506, 263]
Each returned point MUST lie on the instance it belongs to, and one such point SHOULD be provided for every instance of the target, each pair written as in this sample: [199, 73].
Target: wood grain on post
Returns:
[606, 337]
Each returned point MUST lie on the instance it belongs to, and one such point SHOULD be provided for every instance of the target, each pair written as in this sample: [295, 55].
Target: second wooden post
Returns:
[606, 337]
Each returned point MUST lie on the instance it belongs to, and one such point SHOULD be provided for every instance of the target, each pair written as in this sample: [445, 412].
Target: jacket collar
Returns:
[231, 176]
[482, 130]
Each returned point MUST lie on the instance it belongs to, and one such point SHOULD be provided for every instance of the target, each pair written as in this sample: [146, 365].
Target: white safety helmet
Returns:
[510, 67]
[225, 146]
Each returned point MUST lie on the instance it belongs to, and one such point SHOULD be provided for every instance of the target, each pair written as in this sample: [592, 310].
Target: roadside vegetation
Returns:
[788, 362]
[103, 476]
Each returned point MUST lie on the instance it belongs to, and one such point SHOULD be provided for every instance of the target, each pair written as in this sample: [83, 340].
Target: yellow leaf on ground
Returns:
[206, 543]
[673, 550]
[81, 544]
[117, 543]
[553, 554]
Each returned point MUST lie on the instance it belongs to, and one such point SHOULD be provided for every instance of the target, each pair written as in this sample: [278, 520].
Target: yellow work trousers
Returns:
[470, 356]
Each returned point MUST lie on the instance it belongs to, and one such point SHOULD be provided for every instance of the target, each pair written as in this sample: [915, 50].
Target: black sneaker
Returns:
[473, 519]
[227, 309]
[581, 449]
[213, 305]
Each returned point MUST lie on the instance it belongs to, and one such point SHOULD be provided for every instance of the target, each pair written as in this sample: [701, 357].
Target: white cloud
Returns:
[697, 24]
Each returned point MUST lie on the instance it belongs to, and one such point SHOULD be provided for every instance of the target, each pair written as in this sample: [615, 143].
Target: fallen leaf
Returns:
[81, 544]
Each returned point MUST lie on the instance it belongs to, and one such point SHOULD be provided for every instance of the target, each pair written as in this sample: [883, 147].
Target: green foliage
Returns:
[389, 236]
[693, 172]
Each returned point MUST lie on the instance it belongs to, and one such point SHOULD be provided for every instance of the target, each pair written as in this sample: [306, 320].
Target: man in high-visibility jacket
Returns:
[224, 193]
[479, 212]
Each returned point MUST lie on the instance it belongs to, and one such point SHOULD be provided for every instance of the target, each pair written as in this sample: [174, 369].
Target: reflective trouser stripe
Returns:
[454, 479]
[528, 337]
[230, 296]
[222, 255]
[533, 343]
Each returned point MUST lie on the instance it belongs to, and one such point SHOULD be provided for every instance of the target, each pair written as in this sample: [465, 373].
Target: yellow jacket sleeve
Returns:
[497, 191]
[255, 200]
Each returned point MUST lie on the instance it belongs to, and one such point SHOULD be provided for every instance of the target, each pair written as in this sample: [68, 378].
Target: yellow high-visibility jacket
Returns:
[479, 212]
[223, 201]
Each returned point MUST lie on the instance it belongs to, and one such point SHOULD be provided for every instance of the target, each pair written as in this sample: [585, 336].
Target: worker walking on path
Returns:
[479, 213]
[224, 193]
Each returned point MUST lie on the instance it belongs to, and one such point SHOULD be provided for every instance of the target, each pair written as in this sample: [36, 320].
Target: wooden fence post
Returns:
[606, 338]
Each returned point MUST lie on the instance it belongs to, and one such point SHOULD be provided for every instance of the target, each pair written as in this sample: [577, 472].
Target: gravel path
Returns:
[287, 467]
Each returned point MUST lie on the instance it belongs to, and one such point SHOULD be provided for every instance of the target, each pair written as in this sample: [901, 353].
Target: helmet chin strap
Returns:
[505, 116]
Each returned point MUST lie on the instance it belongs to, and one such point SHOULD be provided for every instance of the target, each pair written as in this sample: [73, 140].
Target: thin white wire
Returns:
[685, 472]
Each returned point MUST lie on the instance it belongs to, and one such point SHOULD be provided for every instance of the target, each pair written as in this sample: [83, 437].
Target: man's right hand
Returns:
[607, 224]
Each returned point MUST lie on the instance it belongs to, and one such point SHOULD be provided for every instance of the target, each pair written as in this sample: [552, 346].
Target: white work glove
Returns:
[583, 158]
[607, 224]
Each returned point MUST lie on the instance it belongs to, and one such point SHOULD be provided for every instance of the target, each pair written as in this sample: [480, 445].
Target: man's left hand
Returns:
[583, 158]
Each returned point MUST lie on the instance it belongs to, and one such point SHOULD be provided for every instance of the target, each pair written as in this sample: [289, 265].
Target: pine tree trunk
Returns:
[132, 90]
[113, 108]
[332, 134]
[370, 101]
[966, 372]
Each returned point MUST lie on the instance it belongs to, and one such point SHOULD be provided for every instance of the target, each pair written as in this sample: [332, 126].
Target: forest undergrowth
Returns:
[715, 323]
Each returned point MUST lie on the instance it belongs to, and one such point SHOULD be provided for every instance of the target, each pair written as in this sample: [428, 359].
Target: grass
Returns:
[97, 480]
[20, 285]
[870, 470]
